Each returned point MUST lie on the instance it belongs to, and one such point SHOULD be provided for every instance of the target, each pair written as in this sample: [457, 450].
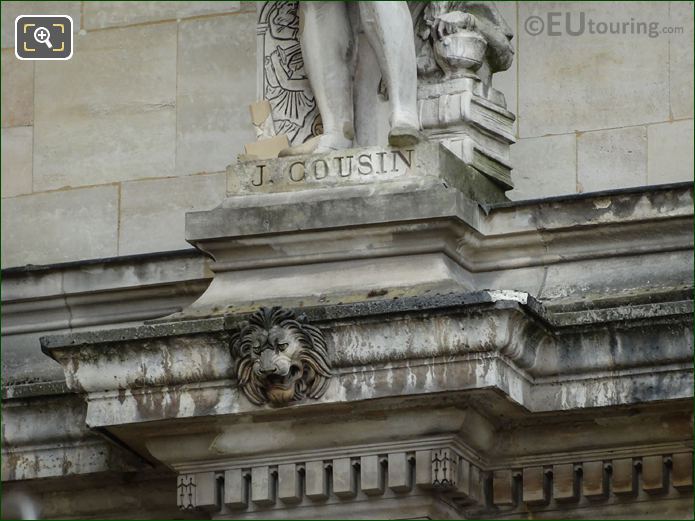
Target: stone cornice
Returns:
[421, 234]
[500, 340]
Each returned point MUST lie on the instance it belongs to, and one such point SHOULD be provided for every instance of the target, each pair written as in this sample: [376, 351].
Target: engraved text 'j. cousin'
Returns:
[393, 162]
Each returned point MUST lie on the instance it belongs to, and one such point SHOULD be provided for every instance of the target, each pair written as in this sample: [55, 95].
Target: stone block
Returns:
[262, 486]
[623, 476]
[681, 62]
[506, 81]
[315, 480]
[289, 484]
[534, 489]
[399, 472]
[670, 152]
[682, 473]
[11, 10]
[564, 482]
[591, 81]
[16, 160]
[153, 211]
[216, 84]
[35, 227]
[502, 488]
[98, 15]
[425, 162]
[234, 489]
[653, 475]
[22, 361]
[17, 92]
[423, 468]
[611, 159]
[465, 486]
[206, 491]
[107, 114]
[544, 167]
[344, 482]
[371, 475]
[594, 480]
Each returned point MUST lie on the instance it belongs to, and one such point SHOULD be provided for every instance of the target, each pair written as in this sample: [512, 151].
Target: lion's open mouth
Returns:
[284, 382]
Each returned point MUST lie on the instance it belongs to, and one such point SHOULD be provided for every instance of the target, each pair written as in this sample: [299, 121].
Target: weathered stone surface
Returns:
[146, 227]
[98, 15]
[235, 489]
[289, 484]
[262, 492]
[615, 271]
[653, 474]
[682, 477]
[503, 488]
[316, 485]
[534, 488]
[594, 480]
[344, 482]
[212, 95]
[403, 240]
[564, 482]
[670, 152]
[681, 60]
[17, 90]
[121, 119]
[611, 159]
[544, 166]
[16, 161]
[314, 439]
[86, 296]
[623, 476]
[90, 214]
[11, 10]
[148, 493]
[378, 166]
[506, 81]
[464, 347]
[597, 80]
[49, 438]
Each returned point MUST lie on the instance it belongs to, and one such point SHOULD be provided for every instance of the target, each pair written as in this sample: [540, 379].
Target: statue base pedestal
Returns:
[478, 129]
[347, 226]
[372, 166]
[475, 127]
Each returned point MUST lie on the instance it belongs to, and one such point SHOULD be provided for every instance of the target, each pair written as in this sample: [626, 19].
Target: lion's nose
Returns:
[267, 362]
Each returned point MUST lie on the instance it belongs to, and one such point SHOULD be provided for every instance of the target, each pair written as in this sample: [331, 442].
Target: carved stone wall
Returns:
[281, 76]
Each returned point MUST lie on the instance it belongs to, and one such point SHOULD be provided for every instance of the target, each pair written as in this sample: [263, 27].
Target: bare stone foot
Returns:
[317, 145]
[405, 136]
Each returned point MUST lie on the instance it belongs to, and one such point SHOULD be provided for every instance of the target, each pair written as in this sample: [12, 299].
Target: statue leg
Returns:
[389, 29]
[326, 40]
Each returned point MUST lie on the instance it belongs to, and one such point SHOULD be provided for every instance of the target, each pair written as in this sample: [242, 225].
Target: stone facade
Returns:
[373, 332]
[198, 105]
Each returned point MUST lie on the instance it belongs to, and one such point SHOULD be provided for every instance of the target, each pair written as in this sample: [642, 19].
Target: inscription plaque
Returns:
[360, 166]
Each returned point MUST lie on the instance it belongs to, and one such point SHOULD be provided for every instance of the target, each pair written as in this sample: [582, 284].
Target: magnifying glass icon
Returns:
[43, 35]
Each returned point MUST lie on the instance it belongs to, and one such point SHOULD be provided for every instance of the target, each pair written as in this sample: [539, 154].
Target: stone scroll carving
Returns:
[279, 358]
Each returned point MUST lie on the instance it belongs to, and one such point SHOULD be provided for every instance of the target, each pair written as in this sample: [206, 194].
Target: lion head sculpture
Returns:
[279, 358]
